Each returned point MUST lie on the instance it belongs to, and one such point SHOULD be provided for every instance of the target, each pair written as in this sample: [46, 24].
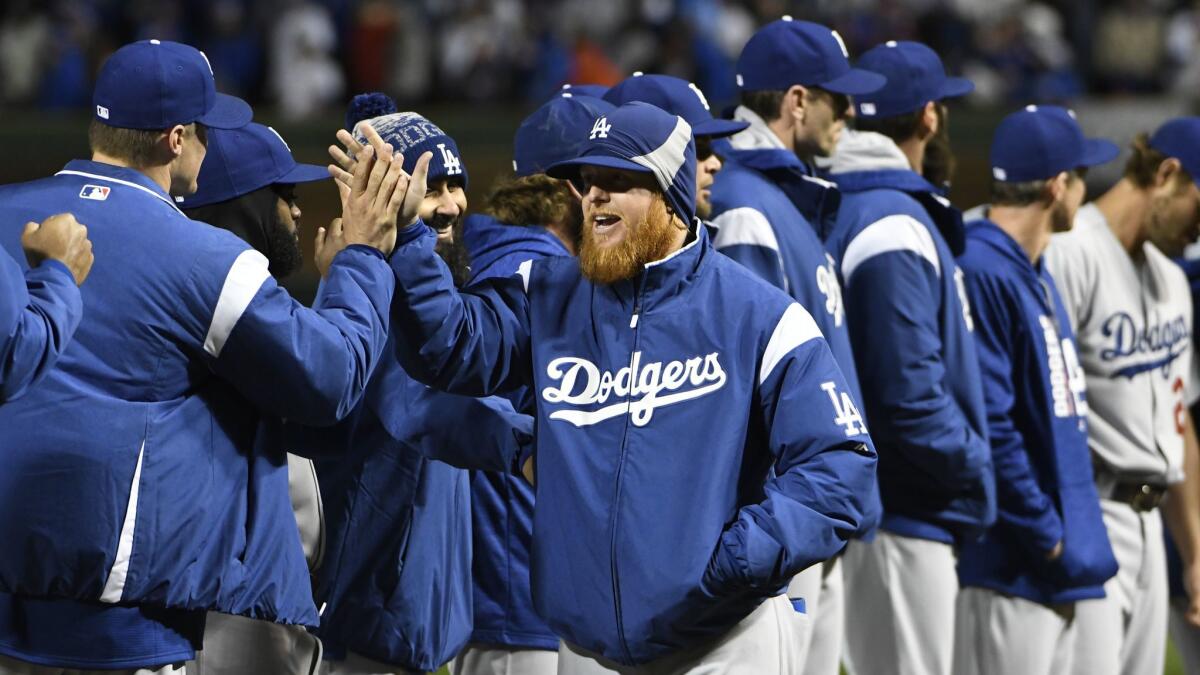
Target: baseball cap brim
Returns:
[1098, 151]
[854, 82]
[569, 169]
[955, 87]
[716, 128]
[228, 112]
[304, 173]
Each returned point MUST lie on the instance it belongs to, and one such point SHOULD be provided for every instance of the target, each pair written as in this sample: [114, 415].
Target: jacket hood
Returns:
[867, 151]
[759, 149]
[757, 146]
[489, 240]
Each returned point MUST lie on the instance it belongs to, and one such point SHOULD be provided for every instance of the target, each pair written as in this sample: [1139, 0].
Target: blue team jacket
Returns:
[1037, 426]
[502, 503]
[911, 329]
[39, 311]
[771, 215]
[692, 448]
[131, 472]
[396, 577]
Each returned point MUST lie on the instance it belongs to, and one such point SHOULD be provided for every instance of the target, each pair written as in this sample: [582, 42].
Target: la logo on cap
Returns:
[600, 129]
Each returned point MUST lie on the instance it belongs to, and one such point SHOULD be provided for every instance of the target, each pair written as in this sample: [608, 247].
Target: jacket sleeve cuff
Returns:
[1045, 533]
[726, 570]
[409, 234]
[50, 264]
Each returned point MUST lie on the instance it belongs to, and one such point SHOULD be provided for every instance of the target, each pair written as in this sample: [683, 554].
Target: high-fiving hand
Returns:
[376, 193]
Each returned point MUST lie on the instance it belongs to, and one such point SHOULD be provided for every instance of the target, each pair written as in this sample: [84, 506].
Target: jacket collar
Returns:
[989, 234]
[759, 149]
[664, 279]
[120, 175]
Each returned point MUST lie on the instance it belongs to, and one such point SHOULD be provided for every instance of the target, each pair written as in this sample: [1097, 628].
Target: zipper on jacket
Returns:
[612, 544]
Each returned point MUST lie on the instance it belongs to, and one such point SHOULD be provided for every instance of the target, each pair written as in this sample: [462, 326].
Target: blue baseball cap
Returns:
[156, 84]
[412, 135]
[784, 53]
[915, 76]
[555, 132]
[640, 137]
[676, 96]
[593, 90]
[1180, 138]
[240, 161]
[1042, 141]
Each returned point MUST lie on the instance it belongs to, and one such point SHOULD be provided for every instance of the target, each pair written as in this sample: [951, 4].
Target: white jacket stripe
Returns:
[523, 271]
[893, 233]
[114, 586]
[744, 226]
[795, 327]
[245, 277]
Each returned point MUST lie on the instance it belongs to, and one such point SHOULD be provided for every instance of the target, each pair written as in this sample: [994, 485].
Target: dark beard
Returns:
[650, 240]
[453, 253]
[284, 254]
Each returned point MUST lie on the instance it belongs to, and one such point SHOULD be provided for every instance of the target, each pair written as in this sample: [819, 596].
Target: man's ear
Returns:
[174, 140]
[1167, 173]
[794, 103]
[930, 121]
[1056, 187]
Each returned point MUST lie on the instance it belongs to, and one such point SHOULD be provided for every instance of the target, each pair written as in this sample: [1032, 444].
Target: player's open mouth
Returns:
[604, 222]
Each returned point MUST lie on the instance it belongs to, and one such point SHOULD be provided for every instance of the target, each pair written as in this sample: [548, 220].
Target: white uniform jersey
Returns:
[1133, 329]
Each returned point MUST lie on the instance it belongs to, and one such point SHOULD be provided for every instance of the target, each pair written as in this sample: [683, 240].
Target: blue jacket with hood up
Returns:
[131, 473]
[501, 502]
[911, 327]
[690, 459]
[39, 311]
[1037, 426]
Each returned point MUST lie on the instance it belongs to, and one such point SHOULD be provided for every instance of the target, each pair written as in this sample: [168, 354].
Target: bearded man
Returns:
[396, 576]
[677, 489]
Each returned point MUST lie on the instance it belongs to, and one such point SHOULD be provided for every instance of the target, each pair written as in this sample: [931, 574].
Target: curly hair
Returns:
[532, 200]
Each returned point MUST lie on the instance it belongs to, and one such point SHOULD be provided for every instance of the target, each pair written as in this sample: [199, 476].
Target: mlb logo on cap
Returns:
[95, 192]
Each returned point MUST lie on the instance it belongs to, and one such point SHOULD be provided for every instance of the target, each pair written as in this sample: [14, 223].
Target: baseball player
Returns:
[1130, 307]
[772, 214]
[40, 308]
[247, 186]
[676, 497]
[396, 578]
[1048, 549]
[528, 217]
[683, 98]
[911, 328]
[133, 498]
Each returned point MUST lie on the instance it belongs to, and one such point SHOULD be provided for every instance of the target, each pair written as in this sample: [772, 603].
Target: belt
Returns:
[1140, 496]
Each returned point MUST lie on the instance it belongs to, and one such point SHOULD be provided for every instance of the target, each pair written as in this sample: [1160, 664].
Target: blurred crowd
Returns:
[304, 56]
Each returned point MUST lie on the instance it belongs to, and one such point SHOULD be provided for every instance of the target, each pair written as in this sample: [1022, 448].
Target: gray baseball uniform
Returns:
[1132, 321]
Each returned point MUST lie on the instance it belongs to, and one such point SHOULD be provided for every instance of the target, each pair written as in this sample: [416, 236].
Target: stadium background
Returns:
[477, 67]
